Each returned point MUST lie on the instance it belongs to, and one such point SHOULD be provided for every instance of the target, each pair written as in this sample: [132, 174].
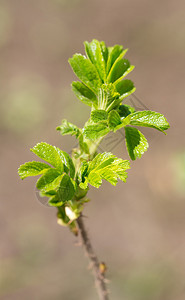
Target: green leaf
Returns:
[118, 70]
[67, 188]
[65, 191]
[114, 53]
[32, 168]
[84, 185]
[130, 69]
[149, 118]
[49, 193]
[84, 93]
[50, 180]
[95, 179]
[125, 88]
[114, 119]
[125, 110]
[95, 54]
[93, 132]
[105, 166]
[99, 115]
[136, 142]
[121, 166]
[104, 51]
[101, 160]
[85, 71]
[67, 161]
[83, 171]
[116, 123]
[55, 201]
[48, 153]
[68, 128]
[56, 157]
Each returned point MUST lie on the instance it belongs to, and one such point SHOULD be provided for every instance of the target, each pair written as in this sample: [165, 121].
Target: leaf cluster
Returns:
[65, 186]
[65, 180]
[103, 87]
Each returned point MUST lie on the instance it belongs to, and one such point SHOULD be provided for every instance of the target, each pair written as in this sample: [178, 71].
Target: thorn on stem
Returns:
[102, 268]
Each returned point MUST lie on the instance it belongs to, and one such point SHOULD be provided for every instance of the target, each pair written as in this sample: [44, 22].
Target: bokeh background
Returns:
[137, 228]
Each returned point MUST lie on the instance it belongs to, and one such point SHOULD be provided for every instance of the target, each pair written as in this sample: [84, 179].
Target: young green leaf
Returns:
[67, 188]
[99, 115]
[104, 50]
[114, 119]
[67, 161]
[118, 70]
[50, 180]
[101, 160]
[95, 54]
[94, 132]
[105, 166]
[136, 142]
[125, 88]
[84, 93]
[48, 153]
[82, 172]
[84, 184]
[115, 122]
[48, 193]
[85, 71]
[120, 166]
[149, 118]
[125, 110]
[65, 191]
[68, 128]
[115, 53]
[55, 201]
[130, 69]
[94, 179]
[32, 168]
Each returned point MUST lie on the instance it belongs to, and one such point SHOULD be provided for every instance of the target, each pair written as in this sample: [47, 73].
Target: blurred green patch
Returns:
[34, 249]
[178, 162]
[23, 105]
[42, 267]
[148, 282]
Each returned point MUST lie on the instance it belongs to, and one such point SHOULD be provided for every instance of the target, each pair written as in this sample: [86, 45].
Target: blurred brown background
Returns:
[137, 228]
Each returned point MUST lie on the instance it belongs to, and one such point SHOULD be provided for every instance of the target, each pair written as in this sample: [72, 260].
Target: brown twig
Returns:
[98, 275]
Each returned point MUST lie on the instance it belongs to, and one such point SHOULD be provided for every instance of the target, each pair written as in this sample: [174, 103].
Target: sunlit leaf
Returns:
[149, 118]
[136, 142]
[84, 93]
[114, 119]
[85, 71]
[32, 168]
[68, 128]
[105, 166]
[99, 115]
[96, 56]
[48, 153]
[94, 132]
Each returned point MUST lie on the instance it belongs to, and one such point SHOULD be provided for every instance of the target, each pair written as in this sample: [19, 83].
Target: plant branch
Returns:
[98, 275]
